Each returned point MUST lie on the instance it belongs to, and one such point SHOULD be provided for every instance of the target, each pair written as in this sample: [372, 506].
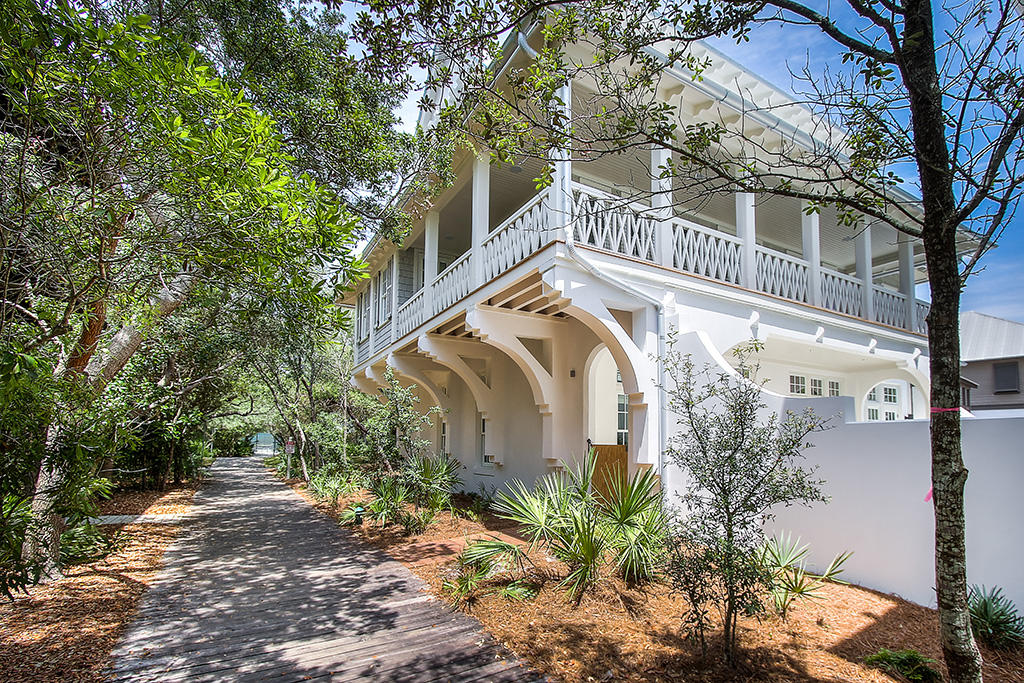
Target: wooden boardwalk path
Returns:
[260, 586]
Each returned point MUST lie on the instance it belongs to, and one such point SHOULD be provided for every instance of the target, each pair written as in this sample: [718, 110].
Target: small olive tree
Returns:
[741, 460]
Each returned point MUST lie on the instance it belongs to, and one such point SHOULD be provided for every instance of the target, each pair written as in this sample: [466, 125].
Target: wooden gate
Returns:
[609, 459]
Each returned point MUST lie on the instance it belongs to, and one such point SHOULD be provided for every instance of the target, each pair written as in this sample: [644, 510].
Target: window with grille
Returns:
[384, 283]
[622, 425]
[872, 413]
[833, 388]
[484, 458]
[816, 387]
[1007, 377]
[889, 394]
[797, 384]
[890, 416]
[873, 394]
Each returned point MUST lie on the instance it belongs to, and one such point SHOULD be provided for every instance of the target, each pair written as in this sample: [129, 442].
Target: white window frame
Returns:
[873, 414]
[483, 444]
[892, 392]
[798, 385]
[834, 388]
[817, 386]
[891, 416]
[622, 420]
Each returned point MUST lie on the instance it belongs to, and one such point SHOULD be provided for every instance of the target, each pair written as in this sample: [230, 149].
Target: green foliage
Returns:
[994, 617]
[389, 498]
[415, 522]
[432, 478]
[785, 559]
[87, 543]
[739, 465]
[910, 664]
[18, 572]
[586, 530]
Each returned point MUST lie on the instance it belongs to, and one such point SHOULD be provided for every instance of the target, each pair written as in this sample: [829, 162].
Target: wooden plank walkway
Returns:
[260, 586]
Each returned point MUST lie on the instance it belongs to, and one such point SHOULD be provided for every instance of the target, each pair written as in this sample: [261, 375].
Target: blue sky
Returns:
[774, 51]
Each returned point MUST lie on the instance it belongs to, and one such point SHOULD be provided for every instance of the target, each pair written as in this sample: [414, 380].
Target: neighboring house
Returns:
[992, 354]
[535, 320]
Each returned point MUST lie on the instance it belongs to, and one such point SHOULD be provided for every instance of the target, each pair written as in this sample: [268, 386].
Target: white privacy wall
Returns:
[877, 475]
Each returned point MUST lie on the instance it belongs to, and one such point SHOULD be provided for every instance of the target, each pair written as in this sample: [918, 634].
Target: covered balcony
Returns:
[494, 219]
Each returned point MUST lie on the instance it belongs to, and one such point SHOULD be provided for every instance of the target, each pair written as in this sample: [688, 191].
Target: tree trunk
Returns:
[920, 74]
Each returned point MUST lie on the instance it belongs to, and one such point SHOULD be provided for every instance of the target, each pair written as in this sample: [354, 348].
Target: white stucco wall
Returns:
[878, 475]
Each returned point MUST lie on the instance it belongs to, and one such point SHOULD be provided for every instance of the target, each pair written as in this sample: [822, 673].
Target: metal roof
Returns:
[984, 337]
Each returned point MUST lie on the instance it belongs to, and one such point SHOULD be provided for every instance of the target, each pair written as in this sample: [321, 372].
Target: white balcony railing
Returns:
[705, 252]
[616, 225]
[780, 274]
[841, 293]
[452, 284]
[613, 224]
[890, 307]
[410, 314]
[521, 234]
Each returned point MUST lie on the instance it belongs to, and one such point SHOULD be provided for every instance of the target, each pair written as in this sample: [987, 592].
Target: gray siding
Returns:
[984, 397]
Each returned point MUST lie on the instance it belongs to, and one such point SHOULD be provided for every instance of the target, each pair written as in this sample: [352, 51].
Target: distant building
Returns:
[991, 349]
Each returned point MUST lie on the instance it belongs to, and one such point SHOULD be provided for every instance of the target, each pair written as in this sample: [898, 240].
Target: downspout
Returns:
[659, 308]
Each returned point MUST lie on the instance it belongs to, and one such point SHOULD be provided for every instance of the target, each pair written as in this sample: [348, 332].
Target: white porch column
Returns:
[481, 215]
[372, 293]
[907, 284]
[430, 228]
[810, 228]
[863, 248]
[661, 202]
[560, 192]
[394, 297]
[745, 230]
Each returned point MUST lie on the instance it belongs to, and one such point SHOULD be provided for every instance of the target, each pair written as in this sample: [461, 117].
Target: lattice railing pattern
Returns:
[452, 284]
[890, 307]
[841, 293]
[410, 314]
[607, 222]
[922, 308]
[523, 233]
[705, 252]
[781, 275]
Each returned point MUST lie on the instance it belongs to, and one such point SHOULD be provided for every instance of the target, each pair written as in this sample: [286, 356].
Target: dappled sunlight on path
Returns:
[259, 585]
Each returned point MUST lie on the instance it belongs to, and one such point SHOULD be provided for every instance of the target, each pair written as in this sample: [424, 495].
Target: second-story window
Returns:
[797, 384]
[833, 388]
[889, 395]
[384, 282]
[816, 387]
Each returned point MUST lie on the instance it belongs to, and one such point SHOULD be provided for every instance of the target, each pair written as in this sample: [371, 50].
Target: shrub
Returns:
[389, 498]
[18, 573]
[330, 482]
[431, 479]
[741, 462]
[585, 529]
[910, 664]
[994, 618]
[789, 581]
[86, 543]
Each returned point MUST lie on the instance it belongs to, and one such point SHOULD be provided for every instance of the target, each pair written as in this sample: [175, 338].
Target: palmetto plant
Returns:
[994, 617]
[431, 479]
[586, 530]
[389, 497]
[785, 562]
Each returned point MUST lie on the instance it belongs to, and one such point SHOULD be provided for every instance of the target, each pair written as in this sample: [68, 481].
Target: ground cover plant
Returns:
[994, 618]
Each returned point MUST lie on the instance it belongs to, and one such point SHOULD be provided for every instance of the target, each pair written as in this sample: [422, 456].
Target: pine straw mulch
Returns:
[66, 629]
[622, 634]
[444, 528]
[618, 633]
[175, 499]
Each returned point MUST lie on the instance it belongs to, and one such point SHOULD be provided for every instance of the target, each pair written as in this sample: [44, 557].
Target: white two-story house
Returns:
[535, 319]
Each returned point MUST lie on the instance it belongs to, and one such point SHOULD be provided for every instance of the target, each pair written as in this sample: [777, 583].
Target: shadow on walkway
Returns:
[260, 586]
